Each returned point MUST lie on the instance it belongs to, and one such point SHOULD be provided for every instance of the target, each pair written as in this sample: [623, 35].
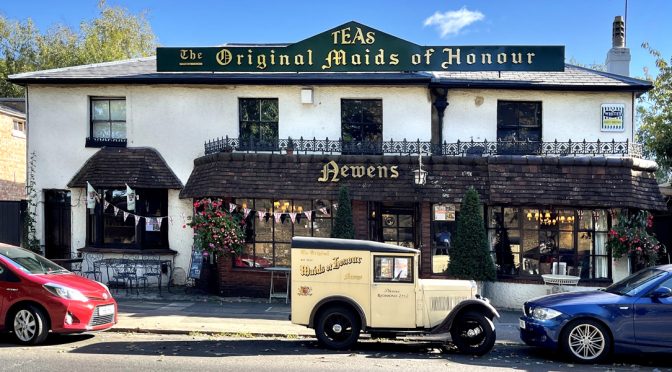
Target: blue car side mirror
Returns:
[661, 292]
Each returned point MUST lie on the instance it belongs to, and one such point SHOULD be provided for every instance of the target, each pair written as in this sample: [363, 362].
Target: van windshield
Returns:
[30, 262]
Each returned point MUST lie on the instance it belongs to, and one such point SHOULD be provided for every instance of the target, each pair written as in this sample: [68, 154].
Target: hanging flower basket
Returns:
[630, 238]
[217, 231]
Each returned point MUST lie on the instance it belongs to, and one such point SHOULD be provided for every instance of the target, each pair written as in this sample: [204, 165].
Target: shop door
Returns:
[398, 226]
[57, 223]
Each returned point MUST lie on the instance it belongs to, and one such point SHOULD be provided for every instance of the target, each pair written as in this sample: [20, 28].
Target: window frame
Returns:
[95, 222]
[260, 143]
[518, 145]
[19, 128]
[360, 143]
[91, 140]
[377, 278]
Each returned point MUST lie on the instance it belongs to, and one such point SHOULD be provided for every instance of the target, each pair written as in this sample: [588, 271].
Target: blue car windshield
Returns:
[635, 283]
[30, 262]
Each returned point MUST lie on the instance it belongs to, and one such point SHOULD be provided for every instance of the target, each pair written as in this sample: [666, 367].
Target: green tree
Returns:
[655, 113]
[470, 255]
[343, 226]
[115, 34]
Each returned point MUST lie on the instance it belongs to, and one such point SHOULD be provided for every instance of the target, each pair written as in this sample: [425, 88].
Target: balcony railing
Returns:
[404, 147]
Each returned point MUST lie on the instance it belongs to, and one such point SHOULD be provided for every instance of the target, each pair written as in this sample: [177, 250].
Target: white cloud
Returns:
[451, 22]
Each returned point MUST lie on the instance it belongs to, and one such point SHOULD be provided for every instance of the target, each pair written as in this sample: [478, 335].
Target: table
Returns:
[282, 272]
[560, 280]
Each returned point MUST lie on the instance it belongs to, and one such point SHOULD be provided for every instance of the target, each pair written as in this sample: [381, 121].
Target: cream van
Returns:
[344, 287]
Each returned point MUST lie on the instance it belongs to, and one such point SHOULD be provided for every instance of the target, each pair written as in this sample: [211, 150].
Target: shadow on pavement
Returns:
[7, 340]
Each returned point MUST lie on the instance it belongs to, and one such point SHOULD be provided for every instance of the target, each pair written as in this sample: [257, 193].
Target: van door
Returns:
[392, 291]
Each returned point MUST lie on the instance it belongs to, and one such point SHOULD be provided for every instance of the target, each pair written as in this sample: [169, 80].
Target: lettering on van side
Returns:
[336, 263]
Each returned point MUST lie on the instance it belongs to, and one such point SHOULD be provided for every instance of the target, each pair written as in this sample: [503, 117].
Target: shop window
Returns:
[108, 122]
[268, 238]
[519, 121]
[259, 123]
[362, 126]
[534, 242]
[443, 227]
[393, 269]
[107, 227]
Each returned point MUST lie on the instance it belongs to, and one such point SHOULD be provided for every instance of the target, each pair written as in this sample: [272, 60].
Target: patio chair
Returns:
[151, 269]
[92, 266]
[75, 267]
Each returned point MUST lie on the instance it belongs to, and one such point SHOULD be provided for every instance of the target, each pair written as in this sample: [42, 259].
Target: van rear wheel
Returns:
[337, 328]
[473, 333]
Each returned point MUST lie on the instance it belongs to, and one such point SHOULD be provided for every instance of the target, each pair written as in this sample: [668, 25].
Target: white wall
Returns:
[565, 115]
[177, 120]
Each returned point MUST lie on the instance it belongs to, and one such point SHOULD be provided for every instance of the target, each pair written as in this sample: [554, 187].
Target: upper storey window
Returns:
[108, 122]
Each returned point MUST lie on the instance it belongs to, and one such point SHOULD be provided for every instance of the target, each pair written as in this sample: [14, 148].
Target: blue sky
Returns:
[582, 26]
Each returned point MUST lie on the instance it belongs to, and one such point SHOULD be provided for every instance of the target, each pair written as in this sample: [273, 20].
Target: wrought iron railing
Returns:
[404, 147]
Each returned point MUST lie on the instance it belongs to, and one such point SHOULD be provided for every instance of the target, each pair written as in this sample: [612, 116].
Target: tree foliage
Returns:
[343, 225]
[470, 255]
[655, 112]
[114, 35]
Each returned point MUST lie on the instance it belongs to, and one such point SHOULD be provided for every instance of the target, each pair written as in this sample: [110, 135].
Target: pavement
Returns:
[190, 311]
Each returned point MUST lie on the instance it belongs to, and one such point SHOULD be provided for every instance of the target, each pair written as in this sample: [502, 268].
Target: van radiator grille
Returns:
[444, 303]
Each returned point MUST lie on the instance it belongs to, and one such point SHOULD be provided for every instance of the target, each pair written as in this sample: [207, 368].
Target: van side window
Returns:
[393, 269]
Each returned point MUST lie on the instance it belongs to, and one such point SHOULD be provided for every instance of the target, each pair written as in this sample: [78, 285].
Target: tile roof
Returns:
[143, 71]
[115, 166]
[594, 182]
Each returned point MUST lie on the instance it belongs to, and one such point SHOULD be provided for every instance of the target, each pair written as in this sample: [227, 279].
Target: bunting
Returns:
[137, 219]
[292, 216]
[130, 199]
[90, 196]
[277, 216]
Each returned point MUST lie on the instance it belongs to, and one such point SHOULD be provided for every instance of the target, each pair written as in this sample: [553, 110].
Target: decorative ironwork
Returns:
[105, 142]
[404, 147]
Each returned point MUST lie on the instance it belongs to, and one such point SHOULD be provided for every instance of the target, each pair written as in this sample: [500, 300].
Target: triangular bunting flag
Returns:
[232, 207]
[116, 211]
[292, 216]
[324, 211]
[277, 217]
[130, 199]
[160, 220]
[335, 207]
[105, 205]
[170, 219]
[125, 215]
[246, 212]
[309, 215]
[261, 215]
[137, 219]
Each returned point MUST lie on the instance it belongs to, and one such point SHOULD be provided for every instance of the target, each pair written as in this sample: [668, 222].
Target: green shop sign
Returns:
[354, 47]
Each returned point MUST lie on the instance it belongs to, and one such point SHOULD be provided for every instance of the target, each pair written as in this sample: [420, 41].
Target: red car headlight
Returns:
[65, 292]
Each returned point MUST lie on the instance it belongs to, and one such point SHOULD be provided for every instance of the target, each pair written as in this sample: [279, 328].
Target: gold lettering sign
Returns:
[332, 172]
[336, 263]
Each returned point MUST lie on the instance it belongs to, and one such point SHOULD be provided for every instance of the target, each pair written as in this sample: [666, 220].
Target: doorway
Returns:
[394, 223]
[57, 224]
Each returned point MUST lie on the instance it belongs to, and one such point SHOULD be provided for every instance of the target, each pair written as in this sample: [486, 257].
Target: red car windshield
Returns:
[30, 262]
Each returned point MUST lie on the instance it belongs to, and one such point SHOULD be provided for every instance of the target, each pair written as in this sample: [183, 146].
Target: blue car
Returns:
[631, 316]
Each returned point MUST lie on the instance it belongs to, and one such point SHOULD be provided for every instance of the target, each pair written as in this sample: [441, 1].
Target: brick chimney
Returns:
[618, 58]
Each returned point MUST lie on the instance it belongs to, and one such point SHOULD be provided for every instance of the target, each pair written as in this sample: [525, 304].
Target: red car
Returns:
[38, 296]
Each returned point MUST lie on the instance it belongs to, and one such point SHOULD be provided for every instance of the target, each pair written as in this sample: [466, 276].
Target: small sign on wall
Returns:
[444, 212]
[613, 117]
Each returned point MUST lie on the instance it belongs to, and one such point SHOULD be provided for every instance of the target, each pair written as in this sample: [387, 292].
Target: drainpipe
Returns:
[440, 103]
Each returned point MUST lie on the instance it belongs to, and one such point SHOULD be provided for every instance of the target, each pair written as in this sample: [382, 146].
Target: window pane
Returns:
[118, 130]
[351, 111]
[322, 208]
[101, 110]
[601, 220]
[268, 132]
[118, 109]
[322, 227]
[246, 258]
[269, 110]
[586, 220]
[264, 229]
[302, 226]
[101, 130]
[282, 254]
[511, 217]
[585, 243]
[264, 252]
[249, 109]
[384, 268]
[390, 235]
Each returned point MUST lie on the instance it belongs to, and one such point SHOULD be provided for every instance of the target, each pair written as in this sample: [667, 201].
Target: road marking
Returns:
[176, 306]
[269, 308]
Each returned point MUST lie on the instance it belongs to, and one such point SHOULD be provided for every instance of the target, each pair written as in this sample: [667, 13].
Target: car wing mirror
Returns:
[661, 292]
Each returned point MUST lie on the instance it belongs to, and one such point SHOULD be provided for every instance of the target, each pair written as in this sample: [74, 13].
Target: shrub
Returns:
[217, 231]
[629, 237]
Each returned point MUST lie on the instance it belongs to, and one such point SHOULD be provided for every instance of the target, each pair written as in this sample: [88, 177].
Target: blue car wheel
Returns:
[586, 341]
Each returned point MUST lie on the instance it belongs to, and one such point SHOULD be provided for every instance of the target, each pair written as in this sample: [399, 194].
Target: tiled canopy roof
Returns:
[115, 166]
[143, 71]
[507, 180]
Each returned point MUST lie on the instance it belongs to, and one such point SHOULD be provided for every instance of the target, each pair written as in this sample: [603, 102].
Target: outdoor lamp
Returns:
[420, 175]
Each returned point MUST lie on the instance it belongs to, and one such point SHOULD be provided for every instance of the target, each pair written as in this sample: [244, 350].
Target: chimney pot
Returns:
[618, 33]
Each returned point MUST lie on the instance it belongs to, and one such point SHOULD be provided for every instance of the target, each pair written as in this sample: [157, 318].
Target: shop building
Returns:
[548, 146]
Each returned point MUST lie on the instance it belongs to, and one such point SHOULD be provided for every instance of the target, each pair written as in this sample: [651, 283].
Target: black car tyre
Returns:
[586, 341]
[30, 325]
[473, 333]
[337, 328]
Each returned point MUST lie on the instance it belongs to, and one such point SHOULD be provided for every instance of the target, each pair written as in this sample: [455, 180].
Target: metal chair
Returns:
[75, 267]
[92, 267]
[151, 268]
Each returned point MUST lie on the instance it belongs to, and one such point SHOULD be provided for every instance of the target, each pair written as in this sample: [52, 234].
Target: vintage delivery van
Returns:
[343, 287]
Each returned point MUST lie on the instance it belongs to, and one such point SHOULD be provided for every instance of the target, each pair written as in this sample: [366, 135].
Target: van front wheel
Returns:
[337, 328]
[473, 333]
